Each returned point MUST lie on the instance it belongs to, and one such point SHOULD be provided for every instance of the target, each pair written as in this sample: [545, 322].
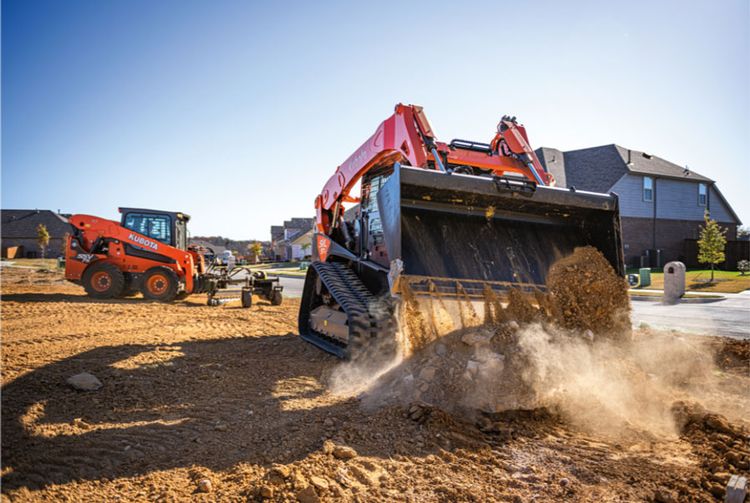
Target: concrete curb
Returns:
[689, 300]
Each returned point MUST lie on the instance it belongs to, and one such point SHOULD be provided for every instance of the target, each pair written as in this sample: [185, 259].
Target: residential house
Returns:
[287, 240]
[662, 204]
[19, 234]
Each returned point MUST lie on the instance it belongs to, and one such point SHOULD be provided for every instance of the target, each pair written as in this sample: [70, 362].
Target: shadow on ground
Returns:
[192, 301]
[209, 403]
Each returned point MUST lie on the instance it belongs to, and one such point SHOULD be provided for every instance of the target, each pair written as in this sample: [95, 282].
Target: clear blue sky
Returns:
[237, 111]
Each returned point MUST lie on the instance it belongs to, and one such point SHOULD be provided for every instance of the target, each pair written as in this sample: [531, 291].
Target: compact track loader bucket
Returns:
[456, 234]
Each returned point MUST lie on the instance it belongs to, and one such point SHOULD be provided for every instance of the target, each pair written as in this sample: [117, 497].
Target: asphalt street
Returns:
[729, 317]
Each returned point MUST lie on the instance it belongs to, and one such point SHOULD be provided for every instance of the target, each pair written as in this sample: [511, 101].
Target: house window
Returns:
[648, 189]
[702, 194]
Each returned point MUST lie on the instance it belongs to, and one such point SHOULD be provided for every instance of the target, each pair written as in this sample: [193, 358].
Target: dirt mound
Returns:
[570, 350]
[587, 294]
[733, 353]
[722, 447]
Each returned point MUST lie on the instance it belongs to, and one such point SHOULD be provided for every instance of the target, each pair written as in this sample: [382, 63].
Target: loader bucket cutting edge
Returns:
[455, 234]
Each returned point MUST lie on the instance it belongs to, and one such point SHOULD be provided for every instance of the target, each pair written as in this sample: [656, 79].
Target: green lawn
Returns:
[698, 280]
[284, 268]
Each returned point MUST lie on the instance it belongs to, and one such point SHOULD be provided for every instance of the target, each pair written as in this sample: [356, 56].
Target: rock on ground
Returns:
[84, 382]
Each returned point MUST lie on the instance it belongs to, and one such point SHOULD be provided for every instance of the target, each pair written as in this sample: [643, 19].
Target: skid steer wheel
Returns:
[160, 283]
[103, 280]
[247, 298]
[276, 298]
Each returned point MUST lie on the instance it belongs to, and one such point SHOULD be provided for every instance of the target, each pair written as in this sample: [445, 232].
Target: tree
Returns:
[743, 233]
[305, 247]
[711, 244]
[255, 249]
[42, 237]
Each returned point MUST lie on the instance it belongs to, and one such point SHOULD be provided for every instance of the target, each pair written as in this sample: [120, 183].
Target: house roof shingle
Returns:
[645, 164]
[22, 223]
[598, 168]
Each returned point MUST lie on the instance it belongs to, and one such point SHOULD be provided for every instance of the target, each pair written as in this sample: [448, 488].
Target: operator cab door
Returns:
[180, 233]
[371, 229]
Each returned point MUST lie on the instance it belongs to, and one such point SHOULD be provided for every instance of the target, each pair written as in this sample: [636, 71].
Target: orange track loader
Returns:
[147, 251]
[449, 219]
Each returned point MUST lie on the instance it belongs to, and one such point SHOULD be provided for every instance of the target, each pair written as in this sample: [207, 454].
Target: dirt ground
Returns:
[226, 404]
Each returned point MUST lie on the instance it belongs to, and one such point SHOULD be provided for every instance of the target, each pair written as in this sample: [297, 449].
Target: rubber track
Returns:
[368, 316]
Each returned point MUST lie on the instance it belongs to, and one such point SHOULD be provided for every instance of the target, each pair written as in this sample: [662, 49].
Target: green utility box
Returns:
[645, 275]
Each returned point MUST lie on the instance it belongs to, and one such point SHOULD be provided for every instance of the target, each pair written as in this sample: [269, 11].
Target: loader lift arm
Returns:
[407, 138]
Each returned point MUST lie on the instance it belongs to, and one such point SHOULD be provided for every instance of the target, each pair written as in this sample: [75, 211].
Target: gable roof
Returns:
[727, 205]
[642, 163]
[595, 169]
[22, 223]
[301, 237]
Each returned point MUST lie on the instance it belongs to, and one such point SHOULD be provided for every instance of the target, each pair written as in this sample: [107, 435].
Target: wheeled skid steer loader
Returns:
[439, 219]
[148, 252]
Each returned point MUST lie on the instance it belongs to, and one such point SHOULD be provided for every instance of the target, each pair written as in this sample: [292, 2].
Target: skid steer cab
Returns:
[148, 252]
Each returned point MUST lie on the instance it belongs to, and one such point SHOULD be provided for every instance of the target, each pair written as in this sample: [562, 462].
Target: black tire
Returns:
[160, 283]
[247, 298]
[103, 280]
[276, 298]
[131, 286]
[182, 296]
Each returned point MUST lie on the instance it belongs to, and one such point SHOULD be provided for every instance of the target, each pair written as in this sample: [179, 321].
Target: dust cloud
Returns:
[570, 350]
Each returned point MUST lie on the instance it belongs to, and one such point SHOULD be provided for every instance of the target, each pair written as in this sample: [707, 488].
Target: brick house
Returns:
[19, 232]
[661, 204]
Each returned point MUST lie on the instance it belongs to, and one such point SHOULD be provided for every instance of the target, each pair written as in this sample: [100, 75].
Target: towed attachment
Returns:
[450, 233]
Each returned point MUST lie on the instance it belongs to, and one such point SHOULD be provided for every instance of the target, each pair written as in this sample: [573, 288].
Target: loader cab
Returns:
[371, 238]
[166, 227]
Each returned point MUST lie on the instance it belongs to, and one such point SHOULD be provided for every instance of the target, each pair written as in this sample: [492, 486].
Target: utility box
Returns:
[674, 282]
[644, 273]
